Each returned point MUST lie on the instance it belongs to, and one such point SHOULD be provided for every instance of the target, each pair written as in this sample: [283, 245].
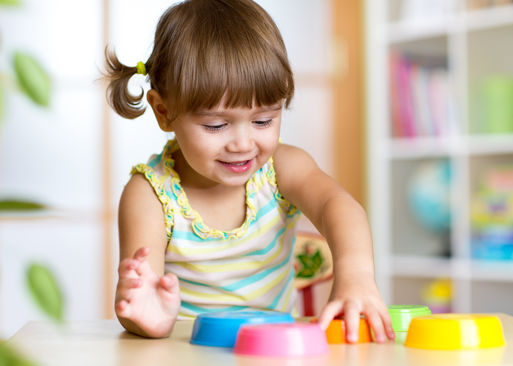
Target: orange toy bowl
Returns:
[336, 331]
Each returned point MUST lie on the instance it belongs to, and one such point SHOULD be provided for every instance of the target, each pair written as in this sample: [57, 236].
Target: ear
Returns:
[160, 110]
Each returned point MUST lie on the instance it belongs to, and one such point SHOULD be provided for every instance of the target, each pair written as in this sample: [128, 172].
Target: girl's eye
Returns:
[263, 123]
[214, 128]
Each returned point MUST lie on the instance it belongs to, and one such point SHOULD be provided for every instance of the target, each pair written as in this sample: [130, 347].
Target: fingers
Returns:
[133, 267]
[122, 309]
[378, 319]
[376, 324]
[170, 285]
[169, 282]
[329, 312]
[387, 324]
[127, 268]
[352, 320]
[129, 283]
[141, 253]
[125, 288]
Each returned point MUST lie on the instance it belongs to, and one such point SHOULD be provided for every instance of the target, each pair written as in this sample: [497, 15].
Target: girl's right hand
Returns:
[146, 304]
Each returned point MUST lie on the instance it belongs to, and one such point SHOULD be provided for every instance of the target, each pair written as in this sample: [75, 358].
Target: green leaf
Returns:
[33, 80]
[11, 357]
[317, 260]
[45, 291]
[20, 205]
[305, 273]
[305, 259]
[10, 2]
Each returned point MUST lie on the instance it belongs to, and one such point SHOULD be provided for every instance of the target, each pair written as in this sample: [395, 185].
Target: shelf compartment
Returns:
[408, 290]
[421, 266]
[414, 11]
[491, 17]
[490, 81]
[425, 147]
[495, 271]
[412, 31]
[491, 297]
[412, 232]
[420, 90]
[490, 144]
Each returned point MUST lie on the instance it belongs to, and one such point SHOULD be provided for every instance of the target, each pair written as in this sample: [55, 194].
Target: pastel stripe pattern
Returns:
[248, 267]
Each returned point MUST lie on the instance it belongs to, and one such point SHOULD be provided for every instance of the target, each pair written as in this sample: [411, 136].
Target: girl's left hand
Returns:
[352, 298]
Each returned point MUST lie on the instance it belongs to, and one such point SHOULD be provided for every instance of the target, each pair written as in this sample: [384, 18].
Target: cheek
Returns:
[271, 141]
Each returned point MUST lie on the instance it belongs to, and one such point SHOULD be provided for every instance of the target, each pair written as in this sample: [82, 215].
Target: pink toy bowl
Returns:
[281, 340]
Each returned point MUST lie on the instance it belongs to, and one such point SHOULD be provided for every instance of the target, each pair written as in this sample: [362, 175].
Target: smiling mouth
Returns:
[240, 166]
[236, 163]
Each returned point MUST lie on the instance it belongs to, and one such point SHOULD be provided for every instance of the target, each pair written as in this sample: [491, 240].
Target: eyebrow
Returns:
[208, 112]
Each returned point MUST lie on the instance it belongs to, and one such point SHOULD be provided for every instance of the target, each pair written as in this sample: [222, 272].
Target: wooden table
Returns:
[106, 343]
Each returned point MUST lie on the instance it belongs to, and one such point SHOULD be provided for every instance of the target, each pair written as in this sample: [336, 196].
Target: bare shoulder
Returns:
[294, 167]
[138, 197]
[293, 162]
[136, 188]
[141, 218]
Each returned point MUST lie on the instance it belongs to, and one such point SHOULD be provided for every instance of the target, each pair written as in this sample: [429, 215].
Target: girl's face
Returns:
[226, 145]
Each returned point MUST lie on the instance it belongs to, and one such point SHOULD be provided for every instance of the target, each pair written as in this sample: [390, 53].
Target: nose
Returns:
[241, 140]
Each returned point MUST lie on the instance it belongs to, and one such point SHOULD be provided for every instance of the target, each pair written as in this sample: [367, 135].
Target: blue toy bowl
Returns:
[220, 329]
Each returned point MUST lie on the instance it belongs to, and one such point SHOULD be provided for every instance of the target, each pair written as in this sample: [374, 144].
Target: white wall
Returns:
[52, 156]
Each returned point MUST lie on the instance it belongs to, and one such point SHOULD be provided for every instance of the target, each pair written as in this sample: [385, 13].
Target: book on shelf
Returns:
[420, 98]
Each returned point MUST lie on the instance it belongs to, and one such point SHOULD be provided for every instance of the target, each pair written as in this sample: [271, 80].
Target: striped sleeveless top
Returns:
[248, 267]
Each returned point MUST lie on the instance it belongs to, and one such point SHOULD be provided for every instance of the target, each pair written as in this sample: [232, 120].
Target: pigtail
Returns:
[118, 96]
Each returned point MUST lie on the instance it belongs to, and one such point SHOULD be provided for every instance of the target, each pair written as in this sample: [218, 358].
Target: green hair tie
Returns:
[141, 68]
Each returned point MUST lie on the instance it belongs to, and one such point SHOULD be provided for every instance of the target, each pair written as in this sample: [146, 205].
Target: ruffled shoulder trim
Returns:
[158, 185]
[165, 160]
[199, 227]
[270, 175]
[166, 182]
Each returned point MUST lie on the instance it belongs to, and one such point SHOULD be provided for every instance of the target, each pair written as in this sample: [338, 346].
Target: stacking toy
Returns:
[336, 331]
[281, 340]
[220, 329]
[455, 331]
[402, 315]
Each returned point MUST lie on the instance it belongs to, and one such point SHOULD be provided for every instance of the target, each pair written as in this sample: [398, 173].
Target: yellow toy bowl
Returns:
[455, 331]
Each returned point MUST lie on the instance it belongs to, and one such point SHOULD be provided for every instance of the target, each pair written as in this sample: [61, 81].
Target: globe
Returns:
[429, 195]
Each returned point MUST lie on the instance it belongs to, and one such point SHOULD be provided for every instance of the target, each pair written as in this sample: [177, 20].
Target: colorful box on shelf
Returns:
[492, 215]
[497, 108]
[488, 245]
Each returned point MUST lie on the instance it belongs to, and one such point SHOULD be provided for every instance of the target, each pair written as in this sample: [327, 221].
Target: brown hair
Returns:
[204, 49]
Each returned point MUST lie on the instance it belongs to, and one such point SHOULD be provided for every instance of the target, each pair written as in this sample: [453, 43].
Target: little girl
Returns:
[208, 224]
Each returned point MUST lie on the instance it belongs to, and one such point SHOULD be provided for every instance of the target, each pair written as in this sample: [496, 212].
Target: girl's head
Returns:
[208, 52]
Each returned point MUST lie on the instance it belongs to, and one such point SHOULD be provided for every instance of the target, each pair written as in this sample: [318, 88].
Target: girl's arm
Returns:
[141, 223]
[147, 301]
[343, 222]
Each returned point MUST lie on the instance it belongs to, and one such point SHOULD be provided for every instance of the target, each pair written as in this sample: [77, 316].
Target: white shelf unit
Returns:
[474, 45]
